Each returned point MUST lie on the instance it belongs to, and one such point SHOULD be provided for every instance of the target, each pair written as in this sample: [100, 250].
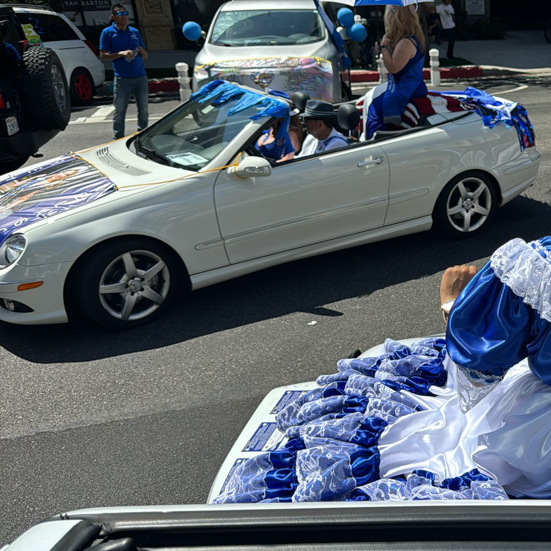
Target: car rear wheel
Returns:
[127, 283]
[45, 89]
[82, 87]
[466, 204]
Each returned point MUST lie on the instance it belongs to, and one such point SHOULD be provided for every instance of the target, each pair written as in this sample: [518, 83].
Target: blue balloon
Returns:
[191, 30]
[345, 17]
[357, 32]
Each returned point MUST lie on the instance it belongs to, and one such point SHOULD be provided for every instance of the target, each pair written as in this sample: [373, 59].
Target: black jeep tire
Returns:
[45, 90]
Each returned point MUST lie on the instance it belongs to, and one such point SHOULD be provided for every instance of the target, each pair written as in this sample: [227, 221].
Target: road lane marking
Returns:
[90, 120]
[511, 90]
[103, 112]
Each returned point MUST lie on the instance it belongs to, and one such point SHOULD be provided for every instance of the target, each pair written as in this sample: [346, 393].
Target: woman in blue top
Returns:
[278, 145]
[403, 51]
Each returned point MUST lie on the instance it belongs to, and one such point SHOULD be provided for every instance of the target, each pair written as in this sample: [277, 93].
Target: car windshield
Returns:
[267, 28]
[193, 135]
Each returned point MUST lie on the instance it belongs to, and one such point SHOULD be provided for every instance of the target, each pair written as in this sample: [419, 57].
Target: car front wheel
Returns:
[126, 284]
[466, 204]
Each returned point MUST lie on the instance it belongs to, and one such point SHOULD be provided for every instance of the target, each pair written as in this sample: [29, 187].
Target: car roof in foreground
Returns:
[405, 525]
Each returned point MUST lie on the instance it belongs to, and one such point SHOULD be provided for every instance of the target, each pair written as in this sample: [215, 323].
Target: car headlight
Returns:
[12, 249]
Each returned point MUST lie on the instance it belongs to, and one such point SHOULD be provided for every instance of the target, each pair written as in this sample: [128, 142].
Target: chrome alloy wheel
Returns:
[469, 204]
[134, 285]
[59, 88]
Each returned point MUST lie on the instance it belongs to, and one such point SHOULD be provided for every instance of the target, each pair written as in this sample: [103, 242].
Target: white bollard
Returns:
[383, 74]
[183, 79]
[434, 67]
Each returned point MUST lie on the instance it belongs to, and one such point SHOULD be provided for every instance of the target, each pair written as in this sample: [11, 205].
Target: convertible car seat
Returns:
[348, 119]
[418, 110]
[299, 99]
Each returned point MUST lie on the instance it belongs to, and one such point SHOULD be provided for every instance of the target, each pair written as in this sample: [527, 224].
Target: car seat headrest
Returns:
[348, 117]
[300, 99]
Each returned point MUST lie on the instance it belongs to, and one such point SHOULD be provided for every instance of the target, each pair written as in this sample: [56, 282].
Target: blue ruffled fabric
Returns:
[491, 329]
[495, 112]
[423, 485]
[220, 92]
[333, 432]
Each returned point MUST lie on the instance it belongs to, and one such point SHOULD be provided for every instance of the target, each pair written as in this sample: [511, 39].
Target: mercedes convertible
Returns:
[114, 233]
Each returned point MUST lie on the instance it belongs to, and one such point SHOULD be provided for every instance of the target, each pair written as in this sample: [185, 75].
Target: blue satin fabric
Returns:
[405, 84]
[459, 482]
[277, 149]
[423, 485]
[402, 87]
[334, 431]
[490, 329]
[220, 92]
[495, 112]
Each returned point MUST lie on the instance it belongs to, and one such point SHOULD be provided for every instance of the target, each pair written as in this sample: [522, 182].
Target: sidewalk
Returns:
[520, 52]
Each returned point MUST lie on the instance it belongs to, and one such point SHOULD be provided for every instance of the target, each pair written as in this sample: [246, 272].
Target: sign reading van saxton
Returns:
[86, 5]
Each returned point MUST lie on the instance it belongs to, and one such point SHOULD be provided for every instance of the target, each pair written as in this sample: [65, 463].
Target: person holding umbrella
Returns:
[403, 52]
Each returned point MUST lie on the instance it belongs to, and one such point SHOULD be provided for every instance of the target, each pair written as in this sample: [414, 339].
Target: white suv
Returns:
[83, 69]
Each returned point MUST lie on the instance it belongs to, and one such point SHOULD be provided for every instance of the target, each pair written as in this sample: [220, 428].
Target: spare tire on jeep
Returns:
[45, 91]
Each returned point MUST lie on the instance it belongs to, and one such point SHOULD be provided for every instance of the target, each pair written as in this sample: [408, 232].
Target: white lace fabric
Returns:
[526, 272]
[471, 389]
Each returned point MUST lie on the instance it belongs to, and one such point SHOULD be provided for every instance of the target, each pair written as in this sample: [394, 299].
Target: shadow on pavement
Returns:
[301, 286]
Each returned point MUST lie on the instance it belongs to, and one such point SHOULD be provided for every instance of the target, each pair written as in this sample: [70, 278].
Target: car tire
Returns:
[82, 87]
[45, 90]
[144, 278]
[466, 204]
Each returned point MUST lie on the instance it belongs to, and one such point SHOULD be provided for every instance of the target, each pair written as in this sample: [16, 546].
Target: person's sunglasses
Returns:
[121, 13]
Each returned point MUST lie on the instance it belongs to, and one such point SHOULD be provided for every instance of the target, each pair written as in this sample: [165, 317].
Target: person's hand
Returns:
[385, 41]
[454, 280]
[142, 52]
[128, 54]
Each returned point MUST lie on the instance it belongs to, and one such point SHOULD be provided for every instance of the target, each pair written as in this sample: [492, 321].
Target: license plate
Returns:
[12, 125]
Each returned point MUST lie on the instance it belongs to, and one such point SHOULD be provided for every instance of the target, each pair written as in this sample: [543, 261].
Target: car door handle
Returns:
[369, 162]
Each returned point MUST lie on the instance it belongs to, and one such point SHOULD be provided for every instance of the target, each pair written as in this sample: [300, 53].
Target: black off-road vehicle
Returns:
[34, 98]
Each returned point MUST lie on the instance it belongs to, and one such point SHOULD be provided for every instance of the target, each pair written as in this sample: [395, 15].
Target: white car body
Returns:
[243, 64]
[67, 41]
[222, 225]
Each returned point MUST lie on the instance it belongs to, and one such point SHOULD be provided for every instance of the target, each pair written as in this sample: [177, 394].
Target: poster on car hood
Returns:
[313, 75]
[65, 183]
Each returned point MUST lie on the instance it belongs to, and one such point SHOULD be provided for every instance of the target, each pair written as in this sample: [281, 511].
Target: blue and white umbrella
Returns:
[354, 3]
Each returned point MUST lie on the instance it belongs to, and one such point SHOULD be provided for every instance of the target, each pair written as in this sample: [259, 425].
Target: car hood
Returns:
[212, 53]
[75, 180]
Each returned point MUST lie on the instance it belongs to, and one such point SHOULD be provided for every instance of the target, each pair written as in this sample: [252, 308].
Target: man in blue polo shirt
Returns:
[124, 46]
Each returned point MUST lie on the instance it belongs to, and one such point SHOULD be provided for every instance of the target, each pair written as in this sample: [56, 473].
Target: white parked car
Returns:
[80, 58]
[117, 230]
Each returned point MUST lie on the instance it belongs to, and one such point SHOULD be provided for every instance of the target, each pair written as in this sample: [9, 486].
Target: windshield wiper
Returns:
[152, 154]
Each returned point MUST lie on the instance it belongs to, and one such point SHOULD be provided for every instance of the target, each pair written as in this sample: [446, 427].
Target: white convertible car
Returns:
[116, 230]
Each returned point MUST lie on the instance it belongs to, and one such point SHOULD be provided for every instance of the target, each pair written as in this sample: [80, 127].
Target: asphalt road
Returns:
[92, 418]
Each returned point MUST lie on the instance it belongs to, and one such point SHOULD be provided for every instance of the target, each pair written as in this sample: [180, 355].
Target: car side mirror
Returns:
[252, 167]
